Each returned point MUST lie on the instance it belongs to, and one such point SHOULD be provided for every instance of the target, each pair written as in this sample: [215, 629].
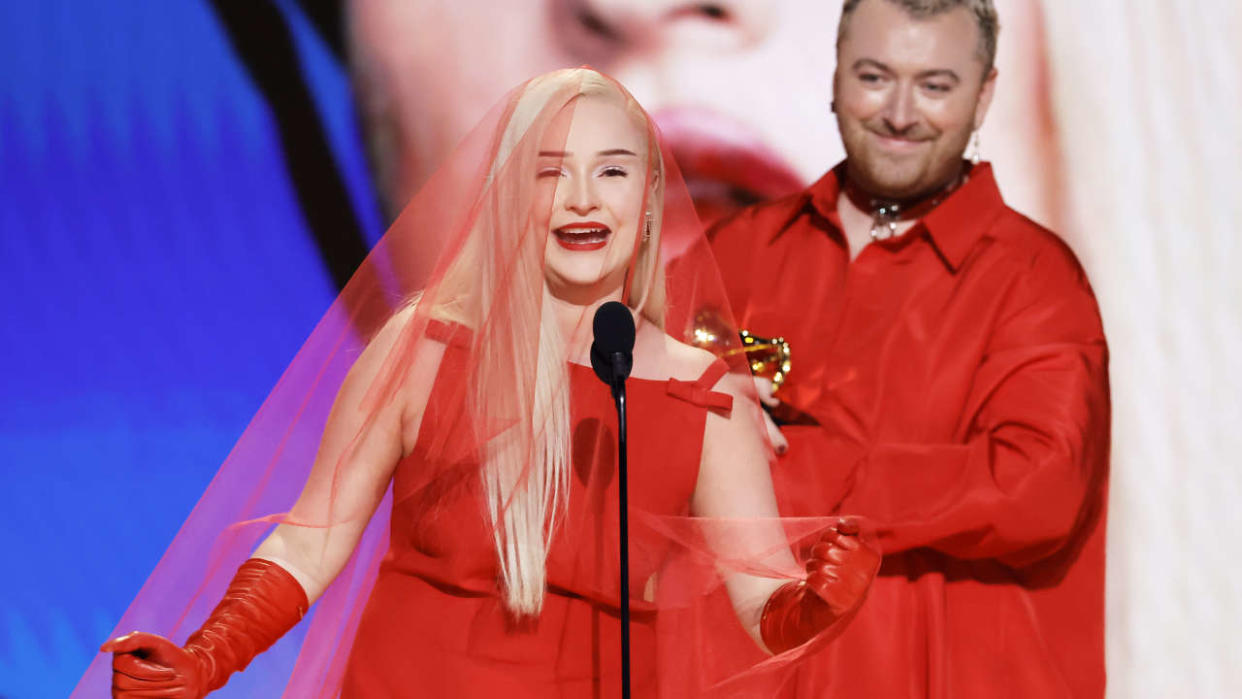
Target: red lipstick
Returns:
[725, 165]
[582, 236]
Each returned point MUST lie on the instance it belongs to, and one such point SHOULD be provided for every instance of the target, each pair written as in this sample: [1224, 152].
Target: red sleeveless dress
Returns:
[435, 625]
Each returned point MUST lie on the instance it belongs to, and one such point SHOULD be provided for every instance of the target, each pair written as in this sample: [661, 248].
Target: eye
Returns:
[550, 172]
[613, 171]
[938, 88]
[870, 78]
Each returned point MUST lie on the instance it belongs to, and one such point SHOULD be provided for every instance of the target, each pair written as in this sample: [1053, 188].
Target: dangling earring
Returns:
[647, 228]
[974, 148]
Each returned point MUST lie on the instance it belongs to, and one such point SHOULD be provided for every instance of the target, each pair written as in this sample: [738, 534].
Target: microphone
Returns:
[612, 351]
[612, 359]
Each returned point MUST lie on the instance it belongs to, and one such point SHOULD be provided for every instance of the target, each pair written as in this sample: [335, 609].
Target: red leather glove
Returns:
[262, 603]
[839, 573]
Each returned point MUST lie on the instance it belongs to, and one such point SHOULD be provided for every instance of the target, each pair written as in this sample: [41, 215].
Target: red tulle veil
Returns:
[467, 252]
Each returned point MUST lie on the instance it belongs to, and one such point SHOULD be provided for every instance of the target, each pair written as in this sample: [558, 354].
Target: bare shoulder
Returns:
[397, 344]
[398, 329]
[684, 361]
[393, 328]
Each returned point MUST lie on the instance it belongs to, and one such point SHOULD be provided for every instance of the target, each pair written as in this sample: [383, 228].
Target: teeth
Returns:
[584, 235]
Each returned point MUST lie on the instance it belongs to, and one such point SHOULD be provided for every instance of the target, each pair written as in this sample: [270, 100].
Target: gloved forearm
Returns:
[262, 603]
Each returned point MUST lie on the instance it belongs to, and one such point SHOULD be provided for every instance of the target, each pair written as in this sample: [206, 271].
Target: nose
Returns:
[607, 28]
[580, 196]
[900, 113]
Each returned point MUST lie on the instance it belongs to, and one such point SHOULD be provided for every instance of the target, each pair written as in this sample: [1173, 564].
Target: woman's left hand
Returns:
[839, 573]
[842, 567]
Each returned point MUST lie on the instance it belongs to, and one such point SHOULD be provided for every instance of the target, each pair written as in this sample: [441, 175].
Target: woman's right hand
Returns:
[147, 665]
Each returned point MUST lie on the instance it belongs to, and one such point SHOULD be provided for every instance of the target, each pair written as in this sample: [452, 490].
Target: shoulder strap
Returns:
[448, 332]
[699, 392]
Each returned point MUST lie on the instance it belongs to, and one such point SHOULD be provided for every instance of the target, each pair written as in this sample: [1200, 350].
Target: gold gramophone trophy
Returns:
[768, 357]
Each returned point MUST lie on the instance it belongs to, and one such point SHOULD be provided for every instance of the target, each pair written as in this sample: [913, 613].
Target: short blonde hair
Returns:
[983, 11]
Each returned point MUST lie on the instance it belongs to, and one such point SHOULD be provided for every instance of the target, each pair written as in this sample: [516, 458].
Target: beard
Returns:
[901, 176]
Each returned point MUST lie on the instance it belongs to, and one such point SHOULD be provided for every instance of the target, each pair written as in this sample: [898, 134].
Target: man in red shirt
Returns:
[949, 378]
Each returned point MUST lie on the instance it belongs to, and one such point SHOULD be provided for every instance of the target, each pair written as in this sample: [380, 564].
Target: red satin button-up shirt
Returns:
[958, 378]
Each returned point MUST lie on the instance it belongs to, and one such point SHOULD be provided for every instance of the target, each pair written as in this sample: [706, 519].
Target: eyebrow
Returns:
[565, 153]
[940, 73]
[934, 73]
[863, 62]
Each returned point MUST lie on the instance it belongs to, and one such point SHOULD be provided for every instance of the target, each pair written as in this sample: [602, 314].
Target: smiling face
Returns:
[908, 94]
[593, 174]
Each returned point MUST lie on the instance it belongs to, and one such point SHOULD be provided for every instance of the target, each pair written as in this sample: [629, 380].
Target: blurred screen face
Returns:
[909, 92]
[740, 89]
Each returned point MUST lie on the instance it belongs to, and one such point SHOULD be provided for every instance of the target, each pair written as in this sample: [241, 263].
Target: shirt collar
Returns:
[953, 227]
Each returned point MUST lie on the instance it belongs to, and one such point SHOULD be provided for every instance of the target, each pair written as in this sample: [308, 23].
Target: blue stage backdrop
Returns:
[157, 274]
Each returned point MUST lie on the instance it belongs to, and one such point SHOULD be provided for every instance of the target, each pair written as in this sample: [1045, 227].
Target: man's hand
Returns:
[765, 389]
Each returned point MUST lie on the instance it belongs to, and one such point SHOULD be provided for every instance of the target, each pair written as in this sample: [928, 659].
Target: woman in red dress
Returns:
[474, 408]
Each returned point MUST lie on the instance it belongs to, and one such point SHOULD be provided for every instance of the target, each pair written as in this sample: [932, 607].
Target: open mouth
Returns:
[582, 237]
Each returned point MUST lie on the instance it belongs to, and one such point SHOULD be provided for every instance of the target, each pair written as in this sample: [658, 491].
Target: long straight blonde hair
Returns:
[495, 286]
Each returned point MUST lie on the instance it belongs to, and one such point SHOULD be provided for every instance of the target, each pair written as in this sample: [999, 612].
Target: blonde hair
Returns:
[983, 12]
[524, 421]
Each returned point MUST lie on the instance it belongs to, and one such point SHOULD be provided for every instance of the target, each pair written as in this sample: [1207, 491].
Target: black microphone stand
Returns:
[612, 360]
[618, 397]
